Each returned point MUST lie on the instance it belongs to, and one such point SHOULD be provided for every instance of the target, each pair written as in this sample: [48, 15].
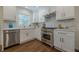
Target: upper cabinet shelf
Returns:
[65, 12]
[9, 13]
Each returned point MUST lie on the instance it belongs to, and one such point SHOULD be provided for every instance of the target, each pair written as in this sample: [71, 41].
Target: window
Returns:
[24, 20]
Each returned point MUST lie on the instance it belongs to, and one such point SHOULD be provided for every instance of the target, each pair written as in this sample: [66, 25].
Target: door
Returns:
[59, 13]
[22, 36]
[69, 12]
[57, 39]
[9, 13]
[68, 42]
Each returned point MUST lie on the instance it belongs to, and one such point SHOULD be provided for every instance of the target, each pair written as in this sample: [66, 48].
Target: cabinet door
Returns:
[23, 37]
[35, 16]
[57, 39]
[59, 13]
[29, 34]
[9, 12]
[69, 12]
[68, 42]
[41, 15]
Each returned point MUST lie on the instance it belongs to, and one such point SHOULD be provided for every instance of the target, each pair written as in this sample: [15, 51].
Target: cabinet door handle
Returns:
[62, 39]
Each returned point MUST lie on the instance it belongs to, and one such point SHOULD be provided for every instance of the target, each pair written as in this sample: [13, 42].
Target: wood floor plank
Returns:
[32, 46]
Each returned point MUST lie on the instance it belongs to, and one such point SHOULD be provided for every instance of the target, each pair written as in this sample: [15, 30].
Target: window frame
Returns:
[25, 15]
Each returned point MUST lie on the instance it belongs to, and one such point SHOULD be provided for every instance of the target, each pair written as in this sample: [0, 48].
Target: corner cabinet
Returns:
[65, 12]
[9, 13]
[64, 40]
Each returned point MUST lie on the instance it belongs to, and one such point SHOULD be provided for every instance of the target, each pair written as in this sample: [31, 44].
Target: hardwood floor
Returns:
[32, 46]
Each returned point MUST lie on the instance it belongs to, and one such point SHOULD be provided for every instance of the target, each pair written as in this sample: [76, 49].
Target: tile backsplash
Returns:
[9, 24]
[66, 23]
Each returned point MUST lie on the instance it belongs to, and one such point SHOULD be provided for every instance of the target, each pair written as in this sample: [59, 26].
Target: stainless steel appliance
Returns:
[47, 36]
[11, 37]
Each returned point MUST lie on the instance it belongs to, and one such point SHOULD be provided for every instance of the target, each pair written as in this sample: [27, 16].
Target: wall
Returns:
[77, 26]
[6, 24]
[1, 16]
[0, 37]
[1, 12]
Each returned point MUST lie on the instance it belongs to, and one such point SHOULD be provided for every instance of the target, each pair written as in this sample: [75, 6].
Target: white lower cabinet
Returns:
[64, 40]
[26, 35]
[23, 36]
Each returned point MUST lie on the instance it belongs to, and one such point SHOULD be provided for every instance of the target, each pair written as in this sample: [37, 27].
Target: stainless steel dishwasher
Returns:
[11, 37]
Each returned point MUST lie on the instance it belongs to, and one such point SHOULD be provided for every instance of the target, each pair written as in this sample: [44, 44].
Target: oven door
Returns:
[46, 36]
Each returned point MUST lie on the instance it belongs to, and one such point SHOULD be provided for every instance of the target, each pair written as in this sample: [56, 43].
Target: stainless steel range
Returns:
[47, 36]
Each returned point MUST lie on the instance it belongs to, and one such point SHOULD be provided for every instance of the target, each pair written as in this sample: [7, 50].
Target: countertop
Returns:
[17, 28]
[69, 30]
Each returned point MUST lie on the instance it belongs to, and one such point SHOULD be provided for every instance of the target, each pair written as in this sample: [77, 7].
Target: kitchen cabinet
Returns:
[9, 13]
[23, 36]
[65, 12]
[35, 17]
[64, 40]
[26, 35]
[57, 40]
[39, 16]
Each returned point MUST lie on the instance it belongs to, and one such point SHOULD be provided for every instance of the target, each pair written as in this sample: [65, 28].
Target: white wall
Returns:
[1, 12]
[77, 26]
[0, 37]
[1, 16]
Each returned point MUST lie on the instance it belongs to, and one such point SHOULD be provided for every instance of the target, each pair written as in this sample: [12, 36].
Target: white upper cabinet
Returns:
[38, 16]
[35, 17]
[65, 12]
[41, 15]
[9, 13]
[69, 12]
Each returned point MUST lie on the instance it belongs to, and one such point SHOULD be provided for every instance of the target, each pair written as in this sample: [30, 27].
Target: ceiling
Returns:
[36, 8]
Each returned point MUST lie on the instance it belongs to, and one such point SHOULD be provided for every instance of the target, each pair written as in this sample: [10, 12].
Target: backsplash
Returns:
[66, 23]
[9, 24]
